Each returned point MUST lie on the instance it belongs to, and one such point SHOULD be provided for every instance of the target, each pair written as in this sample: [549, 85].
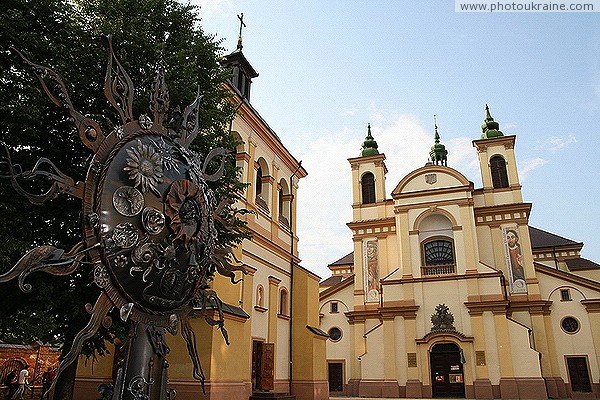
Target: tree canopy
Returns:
[70, 37]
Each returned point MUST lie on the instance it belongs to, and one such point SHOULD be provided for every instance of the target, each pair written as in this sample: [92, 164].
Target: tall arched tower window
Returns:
[498, 170]
[258, 183]
[368, 188]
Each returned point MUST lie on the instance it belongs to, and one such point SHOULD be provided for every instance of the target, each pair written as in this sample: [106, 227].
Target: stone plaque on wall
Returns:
[480, 358]
[412, 359]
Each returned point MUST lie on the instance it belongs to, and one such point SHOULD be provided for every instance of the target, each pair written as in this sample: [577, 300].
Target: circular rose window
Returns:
[335, 334]
[570, 325]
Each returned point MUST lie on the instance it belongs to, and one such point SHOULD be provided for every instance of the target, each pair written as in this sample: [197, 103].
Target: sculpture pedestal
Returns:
[142, 372]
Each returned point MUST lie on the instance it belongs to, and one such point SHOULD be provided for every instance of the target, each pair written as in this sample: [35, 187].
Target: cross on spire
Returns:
[242, 25]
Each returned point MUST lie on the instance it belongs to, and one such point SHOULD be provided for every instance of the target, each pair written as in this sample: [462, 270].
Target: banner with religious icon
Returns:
[514, 259]
[371, 271]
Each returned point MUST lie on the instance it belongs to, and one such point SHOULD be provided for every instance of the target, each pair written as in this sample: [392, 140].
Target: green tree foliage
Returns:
[70, 37]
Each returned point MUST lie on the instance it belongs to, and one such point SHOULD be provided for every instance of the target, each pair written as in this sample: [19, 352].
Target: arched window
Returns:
[284, 199]
[283, 302]
[438, 255]
[258, 182]
[368, 188]
[262, 185]
[498, 170]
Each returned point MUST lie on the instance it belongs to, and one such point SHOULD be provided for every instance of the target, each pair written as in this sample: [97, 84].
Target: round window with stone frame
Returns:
[335, 334]
[570, 325]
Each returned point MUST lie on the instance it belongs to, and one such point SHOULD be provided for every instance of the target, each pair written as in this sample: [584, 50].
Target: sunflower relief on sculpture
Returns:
[149, 213]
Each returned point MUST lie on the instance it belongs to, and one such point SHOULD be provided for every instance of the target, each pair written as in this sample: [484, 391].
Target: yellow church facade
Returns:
[271, 316]
[450, 293]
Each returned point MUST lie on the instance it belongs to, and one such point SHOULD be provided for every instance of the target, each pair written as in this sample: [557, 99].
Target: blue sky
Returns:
[327, 68]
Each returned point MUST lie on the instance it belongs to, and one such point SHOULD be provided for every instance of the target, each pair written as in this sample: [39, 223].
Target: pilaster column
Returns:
[508, 384]
[273, 300]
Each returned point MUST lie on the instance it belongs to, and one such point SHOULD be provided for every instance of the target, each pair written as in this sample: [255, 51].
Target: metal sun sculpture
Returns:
[149, 227]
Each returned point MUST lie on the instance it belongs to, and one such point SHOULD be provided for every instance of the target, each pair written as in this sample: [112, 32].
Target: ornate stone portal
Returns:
[149, 228]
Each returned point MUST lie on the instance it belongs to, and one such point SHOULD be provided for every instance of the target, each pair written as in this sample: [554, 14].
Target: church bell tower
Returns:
[498, 164]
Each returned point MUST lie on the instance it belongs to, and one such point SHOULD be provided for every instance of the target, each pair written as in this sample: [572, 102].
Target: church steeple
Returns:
[242, 72]
[438, 153]
[490, 128]
[369, 146]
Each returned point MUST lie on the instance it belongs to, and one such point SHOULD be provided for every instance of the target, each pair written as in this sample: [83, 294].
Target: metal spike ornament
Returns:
[149, 228]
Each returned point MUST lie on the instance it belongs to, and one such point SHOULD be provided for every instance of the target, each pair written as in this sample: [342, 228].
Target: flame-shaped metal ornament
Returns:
[150, 226]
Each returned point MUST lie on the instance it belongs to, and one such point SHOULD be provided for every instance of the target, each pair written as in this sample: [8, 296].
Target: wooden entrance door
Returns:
[578, 374]
[447, 378]
[336, 376]
[263, 365]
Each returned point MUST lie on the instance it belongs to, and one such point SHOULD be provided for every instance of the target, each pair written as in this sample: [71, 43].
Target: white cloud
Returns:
[530, 165]
[557, 143]
[325, 195]
[347, 113]
[324, 201]
[462, 156]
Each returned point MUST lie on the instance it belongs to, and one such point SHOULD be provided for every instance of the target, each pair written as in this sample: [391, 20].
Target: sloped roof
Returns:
[347, 259]
[579, 264]
[331, 281]
[336, 288]
[567, 276]
[542, 239]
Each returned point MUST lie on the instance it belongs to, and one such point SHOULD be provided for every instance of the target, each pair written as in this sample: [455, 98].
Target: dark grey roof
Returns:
[332, 280]
[317, 331]
[578, 264]
[542, 239]
[235, 310]
[346, 260]
[237, 57]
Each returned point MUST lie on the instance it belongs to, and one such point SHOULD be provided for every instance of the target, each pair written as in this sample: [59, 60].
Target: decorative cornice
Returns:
[250, 270]
[483, 144]
[367, 159]
[591, 305]
[267, 179]
[444, 334]
[452, 202]
[386, 202]
[466, 185]
[362, 315]
[242, 156]
[372, 223]
[436, 278]
[495, 306]
[274, 281]
[391, 312]
[496, 215]
[535, 307]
